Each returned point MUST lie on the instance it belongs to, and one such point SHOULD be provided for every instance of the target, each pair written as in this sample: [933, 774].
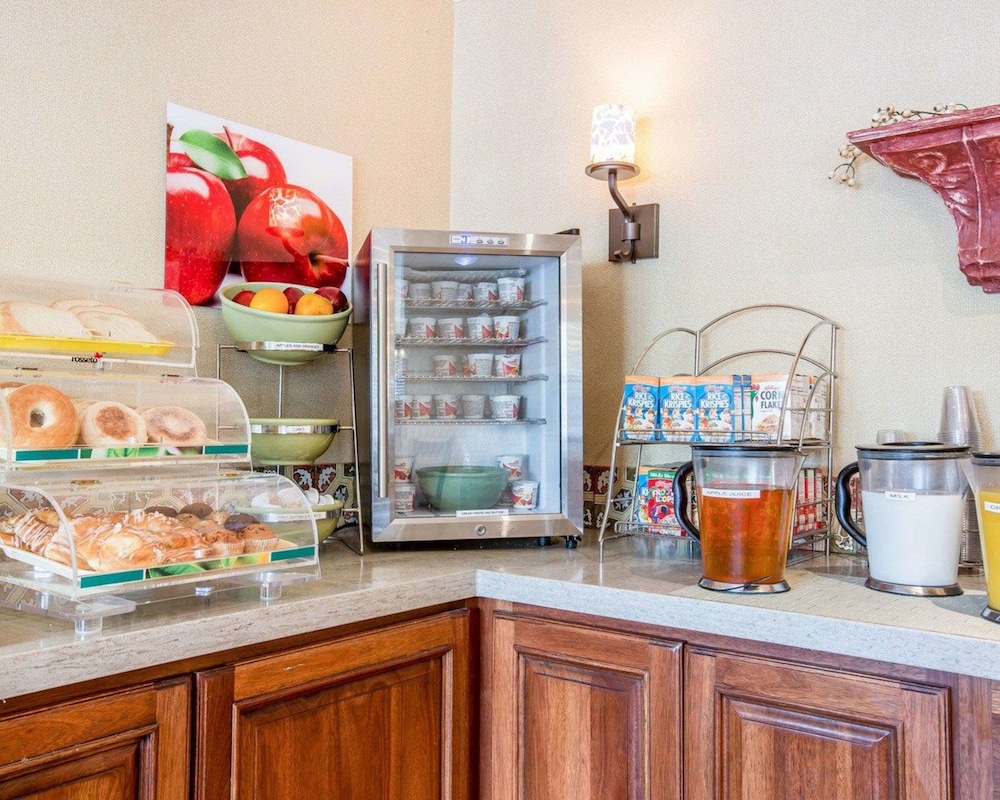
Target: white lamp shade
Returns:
[612, 134]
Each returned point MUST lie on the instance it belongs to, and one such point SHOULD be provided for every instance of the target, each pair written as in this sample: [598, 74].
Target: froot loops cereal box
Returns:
[639, 415]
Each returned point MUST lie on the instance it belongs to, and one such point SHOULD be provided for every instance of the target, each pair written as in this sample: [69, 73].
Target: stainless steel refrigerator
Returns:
[468, 346]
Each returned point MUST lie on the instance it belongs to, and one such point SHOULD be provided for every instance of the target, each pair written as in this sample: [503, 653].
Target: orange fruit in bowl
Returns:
[270, 299]
[313, 305]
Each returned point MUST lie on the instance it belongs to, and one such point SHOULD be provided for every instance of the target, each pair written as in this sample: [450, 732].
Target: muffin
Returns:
[258, 538]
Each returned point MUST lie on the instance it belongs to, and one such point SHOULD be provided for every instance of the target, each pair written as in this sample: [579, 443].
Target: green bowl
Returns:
[247, 324]
[462, 488]
[329, 516]
[288, 441]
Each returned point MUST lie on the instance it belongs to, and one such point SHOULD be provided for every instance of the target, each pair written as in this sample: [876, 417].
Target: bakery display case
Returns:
[122, 473]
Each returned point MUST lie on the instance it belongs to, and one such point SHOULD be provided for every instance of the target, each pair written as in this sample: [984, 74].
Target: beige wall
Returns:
[84, 89]
[742, 107]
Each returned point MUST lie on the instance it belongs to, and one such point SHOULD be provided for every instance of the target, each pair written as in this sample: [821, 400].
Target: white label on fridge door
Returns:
[488, 239]
[486, 512]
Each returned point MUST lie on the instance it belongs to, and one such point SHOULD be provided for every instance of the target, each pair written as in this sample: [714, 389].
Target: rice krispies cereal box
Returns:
[714, 408]
[639, 414]
[677, 408]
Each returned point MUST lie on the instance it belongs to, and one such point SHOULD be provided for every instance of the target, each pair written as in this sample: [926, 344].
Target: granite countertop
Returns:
[641, 579]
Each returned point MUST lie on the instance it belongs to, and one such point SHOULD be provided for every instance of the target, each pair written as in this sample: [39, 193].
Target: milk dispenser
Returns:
[469, 345]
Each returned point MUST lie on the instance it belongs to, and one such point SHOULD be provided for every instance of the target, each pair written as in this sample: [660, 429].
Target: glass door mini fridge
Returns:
[472, 347]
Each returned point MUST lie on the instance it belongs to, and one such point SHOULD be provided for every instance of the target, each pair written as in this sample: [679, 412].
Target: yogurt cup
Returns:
[404, 406]
[446, 406]
[480, 327]
[505, 406]
[525, 493]
[485, 292]
[451, 327]
[419, 291]
[479, 365]
[422, 327]
[444, 366]
[464, 293]
[445, 291]
[506, 365]
[515, 465]
[473, 406]
[403, 468]
[506, 327]
[405, 496]
[510, 290]
[422, 405]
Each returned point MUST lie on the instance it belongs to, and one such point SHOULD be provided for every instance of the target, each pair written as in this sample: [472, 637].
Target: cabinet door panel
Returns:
[130, 744]
[383, 714]
[581, 714]
[757, 728]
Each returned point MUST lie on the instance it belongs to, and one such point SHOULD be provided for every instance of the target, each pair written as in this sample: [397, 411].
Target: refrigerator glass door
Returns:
[482, 441]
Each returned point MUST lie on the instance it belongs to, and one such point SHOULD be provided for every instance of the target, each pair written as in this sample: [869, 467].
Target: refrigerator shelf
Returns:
[412, 341]
[414, 377]
[462, 276]
[462, 421]
[496, 307]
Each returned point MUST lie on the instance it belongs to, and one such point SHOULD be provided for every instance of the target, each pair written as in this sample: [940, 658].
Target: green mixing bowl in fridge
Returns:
[462, 488]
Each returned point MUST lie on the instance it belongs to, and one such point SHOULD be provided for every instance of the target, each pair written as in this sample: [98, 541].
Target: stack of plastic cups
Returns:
[960, 425]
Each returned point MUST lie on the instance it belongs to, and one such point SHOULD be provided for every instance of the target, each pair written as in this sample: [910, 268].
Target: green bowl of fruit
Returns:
[270, 318]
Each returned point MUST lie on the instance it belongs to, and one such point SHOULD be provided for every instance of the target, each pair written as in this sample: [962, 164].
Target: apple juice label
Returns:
[732, 494]
[714, 409]
[639, 408]
[676, 406]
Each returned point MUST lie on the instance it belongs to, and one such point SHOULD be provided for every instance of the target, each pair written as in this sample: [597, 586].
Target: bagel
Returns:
[41, 417]
[110, 424]
[173, 425]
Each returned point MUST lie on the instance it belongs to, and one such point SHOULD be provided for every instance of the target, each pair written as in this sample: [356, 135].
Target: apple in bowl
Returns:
[263, 316]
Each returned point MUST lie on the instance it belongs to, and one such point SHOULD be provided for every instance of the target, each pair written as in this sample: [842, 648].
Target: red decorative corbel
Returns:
[958, 156]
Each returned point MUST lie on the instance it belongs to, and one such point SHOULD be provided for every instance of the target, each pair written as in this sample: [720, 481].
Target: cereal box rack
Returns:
[761, 373]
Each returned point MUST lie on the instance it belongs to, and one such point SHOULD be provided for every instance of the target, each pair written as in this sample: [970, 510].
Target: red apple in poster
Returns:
[201, 225]
[289, 235]
[264, 169]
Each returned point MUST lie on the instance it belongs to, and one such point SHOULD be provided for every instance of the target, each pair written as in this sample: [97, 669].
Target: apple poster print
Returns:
[245, 204]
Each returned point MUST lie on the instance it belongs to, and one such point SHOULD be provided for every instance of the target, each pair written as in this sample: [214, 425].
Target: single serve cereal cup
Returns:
[473, 406]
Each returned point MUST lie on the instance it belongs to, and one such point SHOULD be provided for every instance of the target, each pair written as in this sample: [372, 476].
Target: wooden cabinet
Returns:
[381, 714]
[574, 713]
[128, 744]
[763, 728]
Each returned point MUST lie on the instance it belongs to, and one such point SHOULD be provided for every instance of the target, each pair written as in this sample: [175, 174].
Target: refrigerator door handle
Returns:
[383, 352]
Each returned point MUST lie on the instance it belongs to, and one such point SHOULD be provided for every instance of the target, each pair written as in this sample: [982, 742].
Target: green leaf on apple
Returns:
[213, 155]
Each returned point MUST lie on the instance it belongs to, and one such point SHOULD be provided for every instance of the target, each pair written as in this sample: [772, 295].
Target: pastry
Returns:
[110, 424]
[115, 327]
[258, 538]
[200, 510]
[173, 425]
[41, 417]
[38, 320]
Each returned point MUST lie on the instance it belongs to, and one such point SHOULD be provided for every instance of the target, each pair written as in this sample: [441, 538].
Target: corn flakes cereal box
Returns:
[767, 396]
[677, 408]
[639, 413]
[714, 408]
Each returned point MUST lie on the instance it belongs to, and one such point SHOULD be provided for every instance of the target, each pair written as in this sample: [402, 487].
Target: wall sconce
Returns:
[612, 157]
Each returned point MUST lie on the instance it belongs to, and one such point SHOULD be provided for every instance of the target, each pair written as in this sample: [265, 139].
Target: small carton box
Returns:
[677, 408]
[767, 396]
[639, 417]
[654, 496]
[714, 408]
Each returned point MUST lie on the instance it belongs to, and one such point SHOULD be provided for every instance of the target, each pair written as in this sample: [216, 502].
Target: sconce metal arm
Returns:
[631, 226]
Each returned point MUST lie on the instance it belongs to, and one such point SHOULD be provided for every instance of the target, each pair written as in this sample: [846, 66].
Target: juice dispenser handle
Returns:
[843, 505]
[681, 499]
